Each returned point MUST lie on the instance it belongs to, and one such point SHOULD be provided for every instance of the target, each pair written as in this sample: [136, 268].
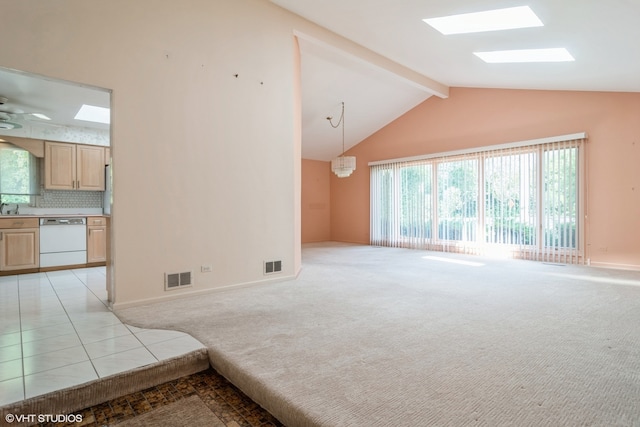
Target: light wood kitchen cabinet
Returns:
[73, 166]
[19, 244]
[96, 239]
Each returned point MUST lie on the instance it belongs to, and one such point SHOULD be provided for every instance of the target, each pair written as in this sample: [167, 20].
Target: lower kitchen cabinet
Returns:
[19, 244]
[96, 240]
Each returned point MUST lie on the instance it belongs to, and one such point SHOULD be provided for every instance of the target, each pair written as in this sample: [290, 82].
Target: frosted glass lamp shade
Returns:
[343, 166]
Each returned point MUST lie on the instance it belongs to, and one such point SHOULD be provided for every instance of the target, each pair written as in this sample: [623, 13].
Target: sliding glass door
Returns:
[522, 200]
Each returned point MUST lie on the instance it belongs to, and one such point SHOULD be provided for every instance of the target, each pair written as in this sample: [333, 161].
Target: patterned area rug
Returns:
[190, 412]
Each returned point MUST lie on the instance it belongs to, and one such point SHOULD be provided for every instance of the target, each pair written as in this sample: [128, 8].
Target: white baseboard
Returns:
[614, 265]
[173, 295]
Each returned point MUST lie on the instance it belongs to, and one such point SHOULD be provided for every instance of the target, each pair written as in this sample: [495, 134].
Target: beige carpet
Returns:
[392, 337]
[189, 412]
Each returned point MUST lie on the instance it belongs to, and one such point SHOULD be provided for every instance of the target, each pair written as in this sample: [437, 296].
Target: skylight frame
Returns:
[519, 56]
[489, 20]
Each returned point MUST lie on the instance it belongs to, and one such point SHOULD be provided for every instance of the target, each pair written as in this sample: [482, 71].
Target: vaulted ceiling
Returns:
[601, 36]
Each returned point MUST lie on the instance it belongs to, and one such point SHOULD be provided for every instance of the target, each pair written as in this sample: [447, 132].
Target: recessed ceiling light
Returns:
[41, 116]
[91, 113]
[526, 55]
[490, 20]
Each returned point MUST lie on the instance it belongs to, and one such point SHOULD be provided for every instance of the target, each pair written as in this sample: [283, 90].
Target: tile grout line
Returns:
[120, 322]
[162, 341]
[93, 293]
[24, 381]
[143, 344]
[73, 325]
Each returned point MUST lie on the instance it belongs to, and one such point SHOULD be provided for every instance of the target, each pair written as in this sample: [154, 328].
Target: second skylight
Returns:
[490, 20]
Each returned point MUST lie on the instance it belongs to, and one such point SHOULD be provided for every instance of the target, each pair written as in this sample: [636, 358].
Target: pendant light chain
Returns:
[338, 124]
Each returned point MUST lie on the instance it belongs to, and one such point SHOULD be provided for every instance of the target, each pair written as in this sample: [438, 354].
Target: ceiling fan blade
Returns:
[8, 113]
[11, 110]
[6, 125]
[14, 111]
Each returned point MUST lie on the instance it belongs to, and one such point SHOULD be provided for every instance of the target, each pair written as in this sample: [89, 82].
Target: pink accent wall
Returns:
[479, 117]
[316, 201]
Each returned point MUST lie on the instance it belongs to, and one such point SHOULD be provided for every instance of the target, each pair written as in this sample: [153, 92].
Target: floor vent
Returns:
[177, 280]
[271, 267]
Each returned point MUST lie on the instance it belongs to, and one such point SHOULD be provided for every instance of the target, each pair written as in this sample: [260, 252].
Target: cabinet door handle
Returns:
[1, 236]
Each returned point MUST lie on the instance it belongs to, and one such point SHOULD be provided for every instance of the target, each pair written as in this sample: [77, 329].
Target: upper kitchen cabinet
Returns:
[90, 167]
[73, 166]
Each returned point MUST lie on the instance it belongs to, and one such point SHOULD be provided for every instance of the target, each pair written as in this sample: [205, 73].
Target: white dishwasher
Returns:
[63, 241]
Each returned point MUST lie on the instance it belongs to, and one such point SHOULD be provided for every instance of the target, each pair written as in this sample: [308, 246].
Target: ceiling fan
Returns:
[8, 115]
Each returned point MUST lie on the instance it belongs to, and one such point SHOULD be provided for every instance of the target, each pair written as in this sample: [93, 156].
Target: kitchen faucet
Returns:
[2, 205]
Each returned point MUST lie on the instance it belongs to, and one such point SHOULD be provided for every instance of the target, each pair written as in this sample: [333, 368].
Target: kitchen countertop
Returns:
[35, 215]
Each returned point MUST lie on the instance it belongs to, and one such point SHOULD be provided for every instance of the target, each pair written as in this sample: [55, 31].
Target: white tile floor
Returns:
[56, 331]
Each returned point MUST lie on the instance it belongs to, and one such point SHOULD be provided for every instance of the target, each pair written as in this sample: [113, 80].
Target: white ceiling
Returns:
[373, 97]
[601, 35]
[56, 99]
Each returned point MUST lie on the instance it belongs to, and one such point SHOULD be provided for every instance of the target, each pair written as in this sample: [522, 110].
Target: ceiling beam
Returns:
[330, 40]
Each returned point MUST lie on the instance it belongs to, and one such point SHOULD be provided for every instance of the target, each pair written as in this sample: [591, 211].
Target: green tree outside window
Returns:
[18, 175]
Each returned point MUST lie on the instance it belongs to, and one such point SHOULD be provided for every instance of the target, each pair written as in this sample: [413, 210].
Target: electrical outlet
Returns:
[206, 269]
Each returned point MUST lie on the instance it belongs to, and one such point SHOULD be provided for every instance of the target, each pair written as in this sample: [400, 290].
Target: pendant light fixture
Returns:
[342, 166]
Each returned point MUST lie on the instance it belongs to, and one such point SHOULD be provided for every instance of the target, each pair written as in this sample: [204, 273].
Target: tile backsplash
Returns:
[69, 199]
[61, 134]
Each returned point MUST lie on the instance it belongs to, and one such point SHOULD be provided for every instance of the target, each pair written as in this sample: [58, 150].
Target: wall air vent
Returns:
[271, 267]
[177, 280]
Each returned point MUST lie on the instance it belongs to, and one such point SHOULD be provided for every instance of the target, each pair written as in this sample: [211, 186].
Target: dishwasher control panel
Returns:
[63, 221]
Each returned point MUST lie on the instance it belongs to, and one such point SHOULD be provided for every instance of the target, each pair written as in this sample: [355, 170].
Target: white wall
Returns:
[206, 165]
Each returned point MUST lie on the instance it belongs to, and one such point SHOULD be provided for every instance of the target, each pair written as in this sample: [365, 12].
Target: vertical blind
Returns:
[522, 200]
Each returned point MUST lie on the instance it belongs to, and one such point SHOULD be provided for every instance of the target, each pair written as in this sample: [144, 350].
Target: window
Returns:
[510, 188]
[457, 200]
[416, 205]
[560, 197]
[18, 174]
[523, 199]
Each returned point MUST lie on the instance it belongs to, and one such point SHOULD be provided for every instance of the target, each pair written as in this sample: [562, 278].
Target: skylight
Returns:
[490, 20]
[91, 113]
[526, 55]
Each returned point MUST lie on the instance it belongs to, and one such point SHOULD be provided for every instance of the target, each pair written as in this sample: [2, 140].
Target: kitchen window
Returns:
[19, 180]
